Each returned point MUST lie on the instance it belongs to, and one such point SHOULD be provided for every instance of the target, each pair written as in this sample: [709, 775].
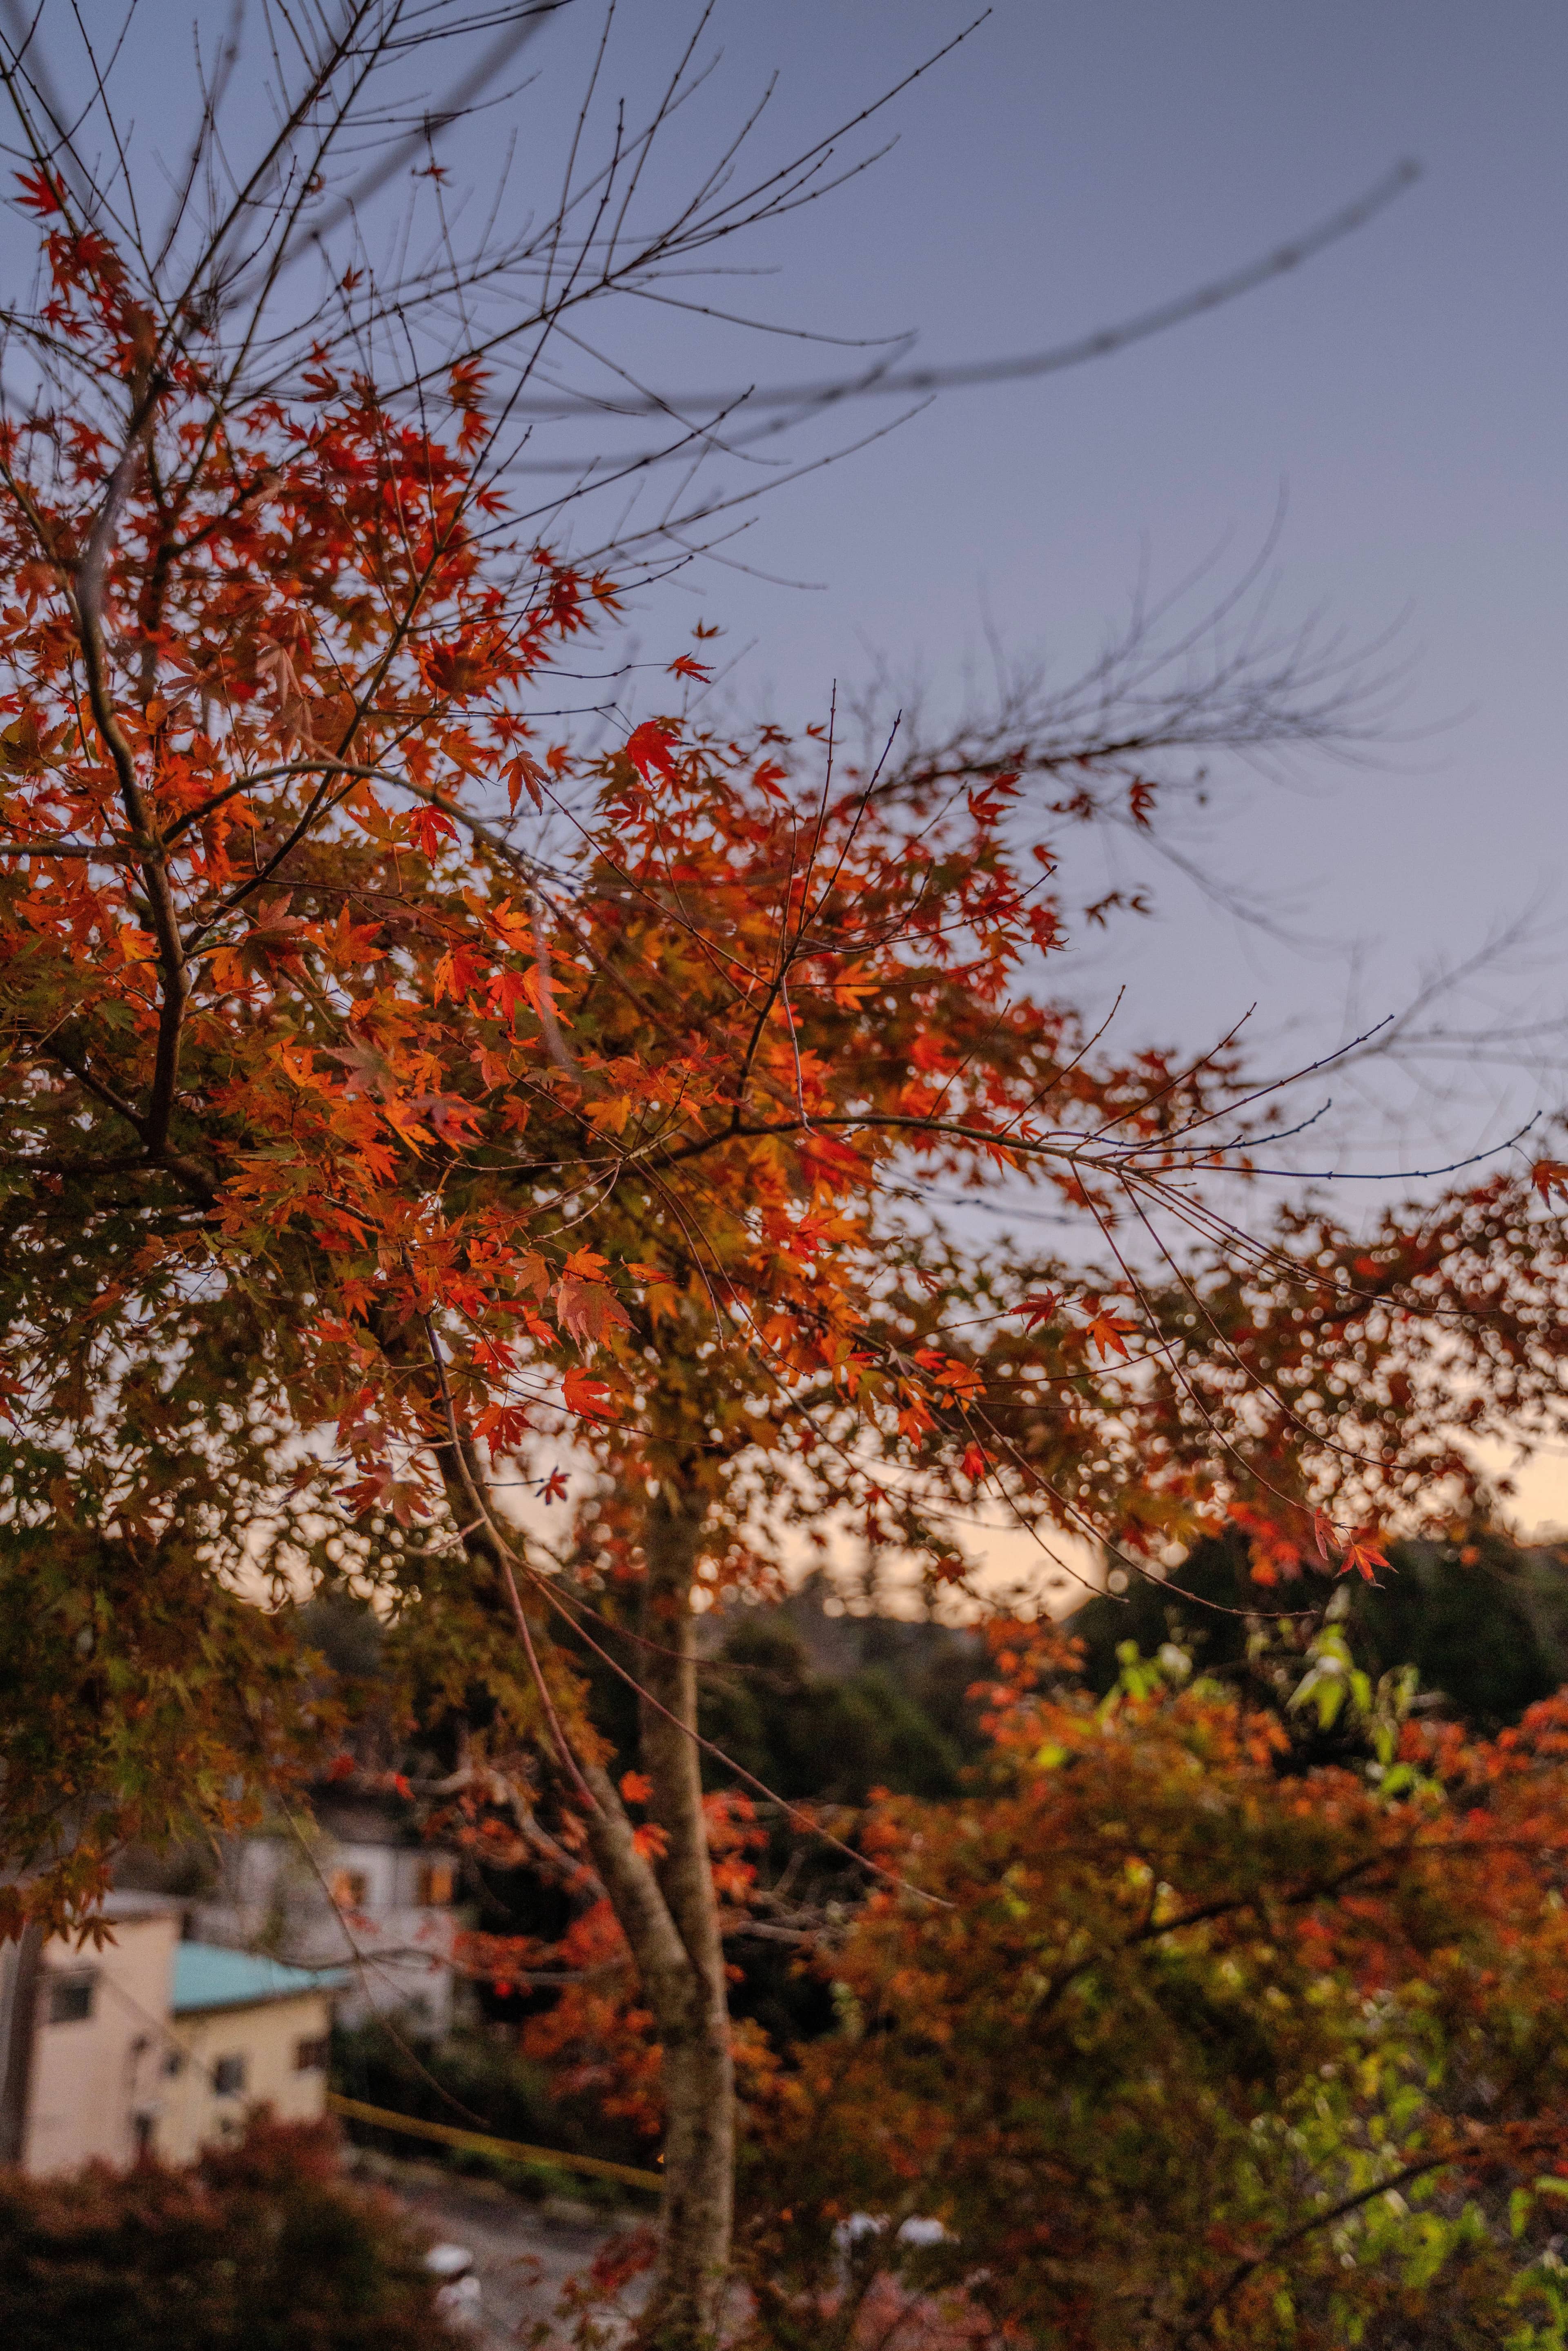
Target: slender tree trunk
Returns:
[668, 1913]
[19, 1971]
[698, 2078]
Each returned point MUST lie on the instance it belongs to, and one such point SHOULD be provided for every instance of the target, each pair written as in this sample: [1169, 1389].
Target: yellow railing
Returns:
[552, 2158]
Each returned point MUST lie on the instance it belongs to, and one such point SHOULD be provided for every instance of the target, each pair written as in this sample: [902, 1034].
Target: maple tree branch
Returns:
[321, 804]
[888, 380]
[57, 1163]
[99, 1086]
[1199, 2326]
[362, 1963]
[88, 600]
[87, 849]
[564, 1751]
[907, 1122]
[792, 1812]
[671, 1532]
[640, 1906]
[1154, 1930]
[185, 1171]
[285, 768]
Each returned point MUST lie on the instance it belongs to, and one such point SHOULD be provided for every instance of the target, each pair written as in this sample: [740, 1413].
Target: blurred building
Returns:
[246, 2032]
[363, 1893]
[150, 2045]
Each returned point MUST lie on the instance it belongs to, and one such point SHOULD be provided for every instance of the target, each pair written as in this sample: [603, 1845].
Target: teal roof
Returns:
[208, 1976]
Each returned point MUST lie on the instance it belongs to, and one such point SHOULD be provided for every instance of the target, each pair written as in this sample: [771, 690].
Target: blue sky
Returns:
[1405, 393]
[1066, 167]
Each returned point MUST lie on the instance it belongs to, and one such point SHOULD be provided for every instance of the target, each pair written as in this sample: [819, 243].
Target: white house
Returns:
[358, 1896]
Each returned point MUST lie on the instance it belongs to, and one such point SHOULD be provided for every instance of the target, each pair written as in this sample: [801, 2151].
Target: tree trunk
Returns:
[20, 1964]
[668, 1913]
[698, 2077]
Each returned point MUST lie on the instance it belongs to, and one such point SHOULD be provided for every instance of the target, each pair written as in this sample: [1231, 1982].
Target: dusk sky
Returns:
[1066, 167]
[1069, 166]
[1063, 169]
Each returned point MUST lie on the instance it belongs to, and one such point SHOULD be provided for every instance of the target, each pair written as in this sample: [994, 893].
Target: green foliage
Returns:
[833, 1737]
[1483, 1622]
[1184, 2049]
[128, 1701]
[260, 2247]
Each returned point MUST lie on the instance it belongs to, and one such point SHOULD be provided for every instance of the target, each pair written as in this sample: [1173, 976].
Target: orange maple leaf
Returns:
[587, 1310]
[428, 827]
[1362, 1555]
[1105, 1331]
[585, 1396]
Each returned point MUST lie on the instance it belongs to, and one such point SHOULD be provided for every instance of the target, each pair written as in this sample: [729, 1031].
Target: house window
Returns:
[310, 2056]
[174, 2063]
[71, 1998]
[435, 1884]
[349, 1888]
[228, 2076]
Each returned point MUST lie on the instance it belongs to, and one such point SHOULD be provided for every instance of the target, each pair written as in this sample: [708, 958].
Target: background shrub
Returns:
[263, 2244]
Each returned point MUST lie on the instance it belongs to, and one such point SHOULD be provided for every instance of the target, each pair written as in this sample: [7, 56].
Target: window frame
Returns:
[65, 1985]
[436, 1884]
[235, 2067]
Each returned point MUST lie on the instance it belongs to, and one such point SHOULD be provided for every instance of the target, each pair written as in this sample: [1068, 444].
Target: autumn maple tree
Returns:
[1163, 2045]
[403, 1101]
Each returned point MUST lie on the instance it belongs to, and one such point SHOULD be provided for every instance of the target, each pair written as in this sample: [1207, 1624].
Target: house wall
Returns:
[267, 2038]
[361, 1902]
[98, 2084]
[407, 1968]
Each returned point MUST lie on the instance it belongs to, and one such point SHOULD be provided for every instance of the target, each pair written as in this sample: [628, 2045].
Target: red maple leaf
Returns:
[523, 771]
[428, 827]
[648, 748]
[41, 193]
[1363, 1556]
